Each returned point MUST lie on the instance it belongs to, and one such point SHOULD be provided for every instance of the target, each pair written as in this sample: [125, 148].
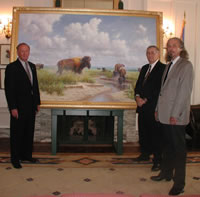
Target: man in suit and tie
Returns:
[23, 98]
[146, 94]
[173, 109]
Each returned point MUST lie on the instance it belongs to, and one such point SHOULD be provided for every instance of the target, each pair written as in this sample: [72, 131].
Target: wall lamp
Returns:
[168, 28]
[5, 26]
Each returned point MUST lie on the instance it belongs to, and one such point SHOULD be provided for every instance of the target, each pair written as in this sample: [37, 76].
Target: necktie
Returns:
[147, 74]
[167, 72]
[27, 71]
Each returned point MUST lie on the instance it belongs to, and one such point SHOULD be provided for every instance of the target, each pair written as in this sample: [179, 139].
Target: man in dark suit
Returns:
[23, 98]
[146, 95]
[173, 110]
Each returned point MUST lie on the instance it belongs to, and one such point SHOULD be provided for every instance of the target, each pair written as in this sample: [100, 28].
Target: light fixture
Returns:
[168, 29]
[6, 26]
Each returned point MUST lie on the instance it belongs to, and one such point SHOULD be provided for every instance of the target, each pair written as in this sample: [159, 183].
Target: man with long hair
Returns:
[173, 109]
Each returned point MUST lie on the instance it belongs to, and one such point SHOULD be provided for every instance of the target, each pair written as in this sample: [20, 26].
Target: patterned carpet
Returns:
[79, 161]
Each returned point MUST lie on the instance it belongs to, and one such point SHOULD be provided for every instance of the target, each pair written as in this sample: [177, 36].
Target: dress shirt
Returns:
[173, 62]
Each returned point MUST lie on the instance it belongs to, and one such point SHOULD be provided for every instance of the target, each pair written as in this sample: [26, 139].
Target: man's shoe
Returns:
[155, 167]
[160, 178]
[175, 191]
[16, 165]
[142, 157]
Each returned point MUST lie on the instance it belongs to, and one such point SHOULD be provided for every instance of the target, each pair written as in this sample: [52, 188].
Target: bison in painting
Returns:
[120, 72]
[76, 64]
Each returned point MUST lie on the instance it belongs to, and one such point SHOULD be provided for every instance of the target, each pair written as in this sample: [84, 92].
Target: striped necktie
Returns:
[147, 74]
[27, 71]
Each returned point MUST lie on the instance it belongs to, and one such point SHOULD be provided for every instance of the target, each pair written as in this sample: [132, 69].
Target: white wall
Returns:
[134, 4]
[196, 95]
[7, 5]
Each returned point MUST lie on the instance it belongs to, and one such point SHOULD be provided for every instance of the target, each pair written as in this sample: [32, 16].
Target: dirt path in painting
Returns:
[99, 92]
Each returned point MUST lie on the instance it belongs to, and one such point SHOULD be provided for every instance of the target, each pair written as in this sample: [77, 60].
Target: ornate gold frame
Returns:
[88, 105]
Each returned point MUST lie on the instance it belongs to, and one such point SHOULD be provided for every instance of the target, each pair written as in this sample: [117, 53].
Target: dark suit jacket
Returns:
[20, 93]
[151, 87]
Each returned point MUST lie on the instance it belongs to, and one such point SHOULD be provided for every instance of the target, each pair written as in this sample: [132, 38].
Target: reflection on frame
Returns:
[87, 58]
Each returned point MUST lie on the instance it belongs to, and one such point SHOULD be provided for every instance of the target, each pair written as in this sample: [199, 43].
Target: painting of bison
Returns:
[117, 69]
[86, 57]
[120, 71]
[76, 64]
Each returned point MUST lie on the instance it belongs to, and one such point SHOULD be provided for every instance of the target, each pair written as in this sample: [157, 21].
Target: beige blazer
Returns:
[175, 94]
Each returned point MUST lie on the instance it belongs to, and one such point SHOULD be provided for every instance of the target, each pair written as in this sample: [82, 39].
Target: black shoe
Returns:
[155, 167]
[143, 157]
[175, 191]
[160, 178]
[16, 165]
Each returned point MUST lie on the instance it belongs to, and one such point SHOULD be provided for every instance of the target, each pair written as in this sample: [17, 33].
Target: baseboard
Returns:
[45, 147]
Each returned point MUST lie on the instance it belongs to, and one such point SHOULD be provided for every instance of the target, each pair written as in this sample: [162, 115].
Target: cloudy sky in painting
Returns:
[107, 39]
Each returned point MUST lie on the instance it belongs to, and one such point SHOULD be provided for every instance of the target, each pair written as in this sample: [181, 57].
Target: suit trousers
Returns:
[174, 154]
[150, 135]
[21, 136]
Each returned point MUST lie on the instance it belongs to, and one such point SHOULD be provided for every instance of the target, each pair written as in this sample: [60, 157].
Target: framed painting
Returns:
[86, 58]
[5, 54]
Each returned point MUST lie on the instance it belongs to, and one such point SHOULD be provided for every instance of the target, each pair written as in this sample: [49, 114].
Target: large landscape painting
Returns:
[86, 57]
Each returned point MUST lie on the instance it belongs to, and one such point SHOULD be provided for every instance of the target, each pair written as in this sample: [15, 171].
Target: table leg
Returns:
[54, 134]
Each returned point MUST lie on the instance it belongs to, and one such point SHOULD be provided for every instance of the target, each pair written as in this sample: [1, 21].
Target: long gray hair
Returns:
[184, 54]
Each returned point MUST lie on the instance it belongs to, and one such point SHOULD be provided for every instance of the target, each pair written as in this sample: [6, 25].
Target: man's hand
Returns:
[172, 121]
[140, 101]
[156, 115]
[38, 108]
[14, 113]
